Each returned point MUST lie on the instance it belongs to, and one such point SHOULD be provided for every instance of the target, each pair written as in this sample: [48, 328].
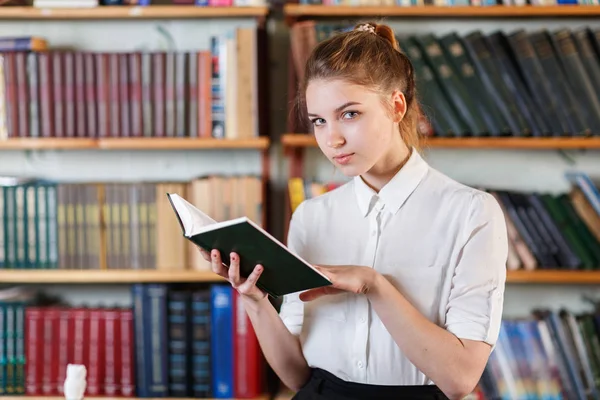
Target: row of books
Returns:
[114, 225]
[519, 83]
[173, 342]
[551, 355]
[72, 93]
[549, 231]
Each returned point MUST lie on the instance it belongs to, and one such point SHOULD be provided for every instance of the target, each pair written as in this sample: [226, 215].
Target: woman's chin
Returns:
[350, 170]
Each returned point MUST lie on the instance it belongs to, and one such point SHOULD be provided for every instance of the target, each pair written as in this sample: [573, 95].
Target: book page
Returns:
[191, 217]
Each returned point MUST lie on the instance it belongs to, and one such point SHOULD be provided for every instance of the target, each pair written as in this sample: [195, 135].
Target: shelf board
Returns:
[297, 10]
[553, 277]
[307, 140]
[261, 142]
[43, 276]
[69, 276]
[130, 12]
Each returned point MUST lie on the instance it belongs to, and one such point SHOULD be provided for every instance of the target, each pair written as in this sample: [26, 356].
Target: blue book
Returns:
[155, 308]
[141, 378]
[222, 341]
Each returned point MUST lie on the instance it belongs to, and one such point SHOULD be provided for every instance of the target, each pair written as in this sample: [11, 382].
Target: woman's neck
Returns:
[383, 172]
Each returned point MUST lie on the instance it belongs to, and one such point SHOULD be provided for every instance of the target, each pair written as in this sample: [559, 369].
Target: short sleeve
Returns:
[292, 308]
[477, 294]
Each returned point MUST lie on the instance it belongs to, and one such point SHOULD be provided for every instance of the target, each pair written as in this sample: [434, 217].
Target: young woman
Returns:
[417, 260]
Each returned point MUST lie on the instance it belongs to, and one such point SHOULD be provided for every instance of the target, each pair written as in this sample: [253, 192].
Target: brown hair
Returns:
[368, 55]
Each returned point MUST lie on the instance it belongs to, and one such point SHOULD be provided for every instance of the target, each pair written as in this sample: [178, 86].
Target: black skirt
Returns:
[323, 385]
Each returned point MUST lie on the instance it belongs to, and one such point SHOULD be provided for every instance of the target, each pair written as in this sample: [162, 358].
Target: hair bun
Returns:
[387, 33]
[381, 30]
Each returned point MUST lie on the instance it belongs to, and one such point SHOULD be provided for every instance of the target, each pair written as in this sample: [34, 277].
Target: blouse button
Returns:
[360, 364]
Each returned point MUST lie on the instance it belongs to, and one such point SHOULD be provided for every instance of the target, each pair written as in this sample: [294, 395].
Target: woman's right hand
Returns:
[245, 286]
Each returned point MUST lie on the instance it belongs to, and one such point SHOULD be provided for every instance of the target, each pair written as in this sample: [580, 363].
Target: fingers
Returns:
[313, 294]
[250, 282]
[216, 264]
[234, 270]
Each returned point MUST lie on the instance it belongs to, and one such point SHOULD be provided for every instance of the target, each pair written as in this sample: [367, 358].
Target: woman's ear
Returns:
[398, 105]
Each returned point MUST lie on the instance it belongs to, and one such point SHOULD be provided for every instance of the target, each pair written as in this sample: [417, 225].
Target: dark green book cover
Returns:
[283, 271]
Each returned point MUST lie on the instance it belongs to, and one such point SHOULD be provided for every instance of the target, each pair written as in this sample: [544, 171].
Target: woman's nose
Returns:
[334, 138]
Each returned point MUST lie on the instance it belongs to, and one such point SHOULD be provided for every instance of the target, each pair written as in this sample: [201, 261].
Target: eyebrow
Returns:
[340, 108]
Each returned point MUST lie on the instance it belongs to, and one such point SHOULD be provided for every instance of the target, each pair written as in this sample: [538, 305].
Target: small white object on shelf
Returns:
[75, 383]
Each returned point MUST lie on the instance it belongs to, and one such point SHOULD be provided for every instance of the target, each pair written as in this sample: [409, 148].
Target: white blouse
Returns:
[442, 244]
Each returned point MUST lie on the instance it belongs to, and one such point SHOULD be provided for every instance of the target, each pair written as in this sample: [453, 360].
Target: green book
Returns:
[283, 271]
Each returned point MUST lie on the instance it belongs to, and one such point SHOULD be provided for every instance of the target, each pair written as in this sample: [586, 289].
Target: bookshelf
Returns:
[110, 159]
[258, 143]
[130, 12]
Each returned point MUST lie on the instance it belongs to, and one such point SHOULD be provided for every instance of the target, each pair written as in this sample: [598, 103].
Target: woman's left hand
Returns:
[344, 278]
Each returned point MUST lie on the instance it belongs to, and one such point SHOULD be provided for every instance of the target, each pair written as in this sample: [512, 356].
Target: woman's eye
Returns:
[349, 115]
[318, 121]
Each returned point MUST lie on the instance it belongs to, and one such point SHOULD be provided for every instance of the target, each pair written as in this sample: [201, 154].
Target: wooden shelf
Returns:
[554, 277]
[45, 276]
[307, 140]
[132, 144]
[130, 12]
[563, 11]
[68, 276]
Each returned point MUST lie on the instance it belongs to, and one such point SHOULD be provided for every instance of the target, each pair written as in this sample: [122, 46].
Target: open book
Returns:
[283, 271]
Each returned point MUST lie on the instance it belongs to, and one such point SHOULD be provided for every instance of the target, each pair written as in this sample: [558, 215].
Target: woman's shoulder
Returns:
[460, 196]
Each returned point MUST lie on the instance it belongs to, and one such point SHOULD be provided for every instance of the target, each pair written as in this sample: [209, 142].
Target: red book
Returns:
[126, 354]
[81, 329]
[248, 364]
[34, 350]
[50, 346]
[96, 365]
[65, 345]
[112, 351]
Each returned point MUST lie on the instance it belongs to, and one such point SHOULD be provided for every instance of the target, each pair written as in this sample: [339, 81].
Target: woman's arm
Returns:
[281, 348]
[455, 365]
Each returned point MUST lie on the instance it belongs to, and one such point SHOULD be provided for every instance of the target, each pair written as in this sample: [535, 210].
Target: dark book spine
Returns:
[537, 81]
[522, 100]
[142, 359]
[179, 343]
[559, 84]
[201, 372]
[578, 78]
[156, 340]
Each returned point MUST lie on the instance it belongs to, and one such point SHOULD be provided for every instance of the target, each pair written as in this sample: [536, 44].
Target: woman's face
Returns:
[352, 126]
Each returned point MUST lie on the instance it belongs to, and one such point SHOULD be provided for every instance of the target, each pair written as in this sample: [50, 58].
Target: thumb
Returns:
[313, 294]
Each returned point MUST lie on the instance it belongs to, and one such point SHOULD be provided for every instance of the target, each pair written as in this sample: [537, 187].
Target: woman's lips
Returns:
[343, 159]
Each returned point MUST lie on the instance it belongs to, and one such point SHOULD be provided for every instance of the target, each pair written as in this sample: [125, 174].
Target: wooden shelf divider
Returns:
[261, 142]
[564, 277]
[130, 12]
[562, 11]
[70, 276]
[292, 140]
[88, 276]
